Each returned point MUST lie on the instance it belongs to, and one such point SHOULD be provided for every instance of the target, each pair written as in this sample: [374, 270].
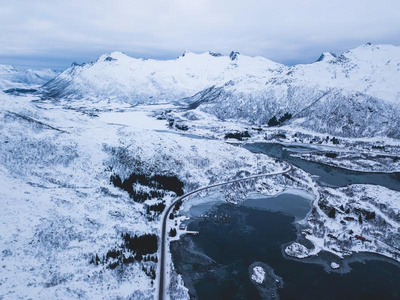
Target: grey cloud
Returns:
[56, 33]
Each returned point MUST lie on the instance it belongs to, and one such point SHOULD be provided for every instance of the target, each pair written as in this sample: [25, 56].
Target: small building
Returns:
[361, 238]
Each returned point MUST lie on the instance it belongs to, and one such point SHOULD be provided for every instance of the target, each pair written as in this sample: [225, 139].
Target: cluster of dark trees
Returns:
[377, 147]
[274, 121]
[277, 135]
[239, 135]
[181, 127]
[144, 244]
[178, 205]
[332, 213]
[149, 272]
[335, 141]
[368, 215]
[158, 208]
[157, 182]
[140, 247]
[347, 211]
[331, 154]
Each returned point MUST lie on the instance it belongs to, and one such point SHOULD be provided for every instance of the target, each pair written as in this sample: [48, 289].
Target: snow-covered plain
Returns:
[139, 118]
[59, 152]
[59, 208]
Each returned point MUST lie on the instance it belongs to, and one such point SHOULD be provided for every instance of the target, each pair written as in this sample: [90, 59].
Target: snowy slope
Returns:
[59, 208]
[118, 76]
[11, 77]
[355, 94]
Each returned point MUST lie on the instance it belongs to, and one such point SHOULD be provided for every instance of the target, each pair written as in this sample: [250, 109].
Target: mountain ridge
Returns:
[251, 89]
[11, 77]
[135, 80]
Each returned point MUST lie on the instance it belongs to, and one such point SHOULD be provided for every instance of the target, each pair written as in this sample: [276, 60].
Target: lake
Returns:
[215, 264]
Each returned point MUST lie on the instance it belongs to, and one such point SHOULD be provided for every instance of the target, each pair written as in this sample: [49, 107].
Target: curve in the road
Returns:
[163, 240]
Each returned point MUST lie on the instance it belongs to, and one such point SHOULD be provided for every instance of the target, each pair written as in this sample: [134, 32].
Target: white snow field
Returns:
[59, 208]
[79, 157]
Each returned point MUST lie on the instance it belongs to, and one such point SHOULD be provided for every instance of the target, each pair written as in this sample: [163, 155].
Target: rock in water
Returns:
[258, 274]
[335, 265]
[297, 250]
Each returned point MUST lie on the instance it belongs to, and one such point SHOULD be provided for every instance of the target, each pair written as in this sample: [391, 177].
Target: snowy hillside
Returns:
[120, 77]
[356, 94]
[65, 212]
[11, 77]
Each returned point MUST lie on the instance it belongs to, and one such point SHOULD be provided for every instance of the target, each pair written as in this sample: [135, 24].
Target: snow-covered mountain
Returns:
[355, 94]
[118, 76]
[11, 77]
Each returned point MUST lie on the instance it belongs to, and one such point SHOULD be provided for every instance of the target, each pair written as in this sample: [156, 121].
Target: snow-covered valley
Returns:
[351, 95]
[90, 160]
[60, 209]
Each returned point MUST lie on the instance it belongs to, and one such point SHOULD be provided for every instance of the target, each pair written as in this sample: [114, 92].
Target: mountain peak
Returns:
[327, 56]
[234, 55]
[118, 55]
[185, 53]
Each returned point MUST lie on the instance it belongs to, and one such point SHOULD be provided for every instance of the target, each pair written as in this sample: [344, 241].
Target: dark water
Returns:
[327, 174]
[215, 264]
[252, 235]
[189, 135]
[287, 203]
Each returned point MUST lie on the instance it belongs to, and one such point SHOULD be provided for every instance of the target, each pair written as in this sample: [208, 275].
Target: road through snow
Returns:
[164, 241]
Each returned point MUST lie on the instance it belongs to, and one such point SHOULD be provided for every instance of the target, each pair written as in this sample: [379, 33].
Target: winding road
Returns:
[164, 240]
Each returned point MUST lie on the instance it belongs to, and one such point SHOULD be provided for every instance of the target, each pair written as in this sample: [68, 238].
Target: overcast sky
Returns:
[55, 33]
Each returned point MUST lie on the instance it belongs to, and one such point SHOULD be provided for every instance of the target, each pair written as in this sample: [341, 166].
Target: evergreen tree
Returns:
[332, 213]
[172, 232]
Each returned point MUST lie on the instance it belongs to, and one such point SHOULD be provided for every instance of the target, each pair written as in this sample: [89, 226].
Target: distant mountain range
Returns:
[11, 77]
[118, 76]
[356, 94]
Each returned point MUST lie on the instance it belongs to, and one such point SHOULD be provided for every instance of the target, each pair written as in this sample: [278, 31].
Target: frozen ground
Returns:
[59, 209]
[376, 154]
